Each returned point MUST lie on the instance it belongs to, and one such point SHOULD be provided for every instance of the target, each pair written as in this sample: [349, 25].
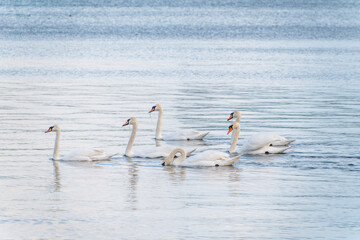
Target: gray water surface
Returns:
[291, 67]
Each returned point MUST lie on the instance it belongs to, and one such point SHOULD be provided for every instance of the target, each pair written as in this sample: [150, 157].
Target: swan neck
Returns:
[238, 118]
[131, 140]
[56, 147]
[170, 159]
[159, 124]
[234, 139]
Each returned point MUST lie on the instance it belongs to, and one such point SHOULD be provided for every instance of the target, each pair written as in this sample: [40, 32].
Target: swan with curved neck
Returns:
[77, 155]
[179, 135]
[276, 140]
[146, 152]
[256, 144]
[204, 159]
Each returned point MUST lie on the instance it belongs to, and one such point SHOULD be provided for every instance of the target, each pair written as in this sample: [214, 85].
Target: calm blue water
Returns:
[291, 67]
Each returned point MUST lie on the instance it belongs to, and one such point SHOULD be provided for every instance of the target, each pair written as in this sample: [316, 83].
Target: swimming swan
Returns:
[208, 158]
[146, 152]
[77, 155]
[277, 139]
[179, 135]
[256, 144]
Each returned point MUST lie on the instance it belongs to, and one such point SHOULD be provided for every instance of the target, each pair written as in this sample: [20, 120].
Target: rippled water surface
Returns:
[291, 67]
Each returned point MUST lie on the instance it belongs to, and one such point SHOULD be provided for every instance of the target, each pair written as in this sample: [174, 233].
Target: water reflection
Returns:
[158, 143]
[57, 183]
[234, 179]
[176, 174]
[133, 173]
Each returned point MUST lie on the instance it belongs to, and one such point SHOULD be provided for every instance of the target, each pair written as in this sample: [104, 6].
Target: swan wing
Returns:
[284, 142]
[87, 155]
[210, 158]
[260, 140]
[269, 150]
[158, 152]
[185, 135]
[152, 152]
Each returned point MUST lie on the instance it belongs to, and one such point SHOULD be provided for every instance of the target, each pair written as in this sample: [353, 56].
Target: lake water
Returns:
[291, 67]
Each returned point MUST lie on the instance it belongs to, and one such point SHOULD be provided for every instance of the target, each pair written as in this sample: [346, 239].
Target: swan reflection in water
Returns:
[176, 175]
[57, 183]
[133, 173]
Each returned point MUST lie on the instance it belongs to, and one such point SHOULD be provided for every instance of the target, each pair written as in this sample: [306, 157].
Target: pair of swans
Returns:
[146, 152]
[80, 154]
[160, 151]
[259, 143]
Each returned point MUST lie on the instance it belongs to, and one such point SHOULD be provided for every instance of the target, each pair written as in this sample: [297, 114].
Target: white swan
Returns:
[146, 152]
[256, 144]
[179, 135]
[77, 155]
[276, 140]
[208, 158]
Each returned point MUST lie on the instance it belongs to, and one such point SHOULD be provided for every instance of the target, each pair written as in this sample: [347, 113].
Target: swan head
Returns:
[234, 114]
[54, 128]
[156, 107]
[130, 121]
[233, 126]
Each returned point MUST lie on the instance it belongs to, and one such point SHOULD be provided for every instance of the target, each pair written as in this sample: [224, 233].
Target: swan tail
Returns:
[190, 152]
[201, 136]
[112, 155]
[232, 160]
[283, 143]
[290, 141]
[102, 157]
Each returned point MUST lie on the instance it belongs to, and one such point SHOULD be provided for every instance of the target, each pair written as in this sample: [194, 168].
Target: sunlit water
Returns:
[290, 67]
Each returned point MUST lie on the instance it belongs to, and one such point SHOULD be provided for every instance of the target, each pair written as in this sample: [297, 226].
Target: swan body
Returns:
[208, 158]
[77, 155]
[185, 135]
[87, 155]
[276, 140]
[259, 143]
[178, 135]
[148, 151]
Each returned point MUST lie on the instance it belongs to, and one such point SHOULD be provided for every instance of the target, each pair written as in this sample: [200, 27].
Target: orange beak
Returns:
[231, 117]
[230, 129]
[153, 109]
[49, 130]
[125, 124]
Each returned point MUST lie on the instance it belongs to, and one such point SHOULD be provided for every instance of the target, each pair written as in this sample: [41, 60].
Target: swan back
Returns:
[210, 158]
